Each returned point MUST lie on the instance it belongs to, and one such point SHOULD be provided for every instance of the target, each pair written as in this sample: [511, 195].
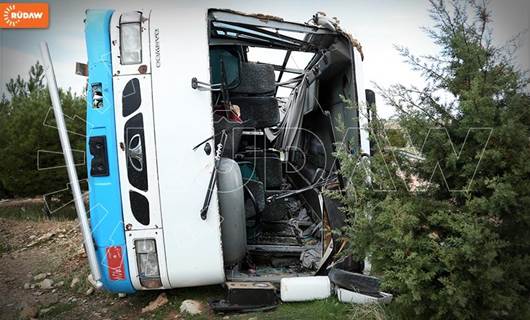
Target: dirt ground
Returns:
[32, 254]
[35, 252]
[44, 270]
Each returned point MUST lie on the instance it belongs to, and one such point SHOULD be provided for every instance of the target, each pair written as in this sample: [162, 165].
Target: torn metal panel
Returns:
[354, 42]
[321, 19]
[265, 31]
[264, 21]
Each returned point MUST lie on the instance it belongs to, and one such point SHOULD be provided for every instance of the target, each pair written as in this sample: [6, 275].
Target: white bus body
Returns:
[163, 93]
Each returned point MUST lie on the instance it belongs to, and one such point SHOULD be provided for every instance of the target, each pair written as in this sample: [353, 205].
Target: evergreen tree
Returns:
[449, 234]
[27, 125]
[21, 88]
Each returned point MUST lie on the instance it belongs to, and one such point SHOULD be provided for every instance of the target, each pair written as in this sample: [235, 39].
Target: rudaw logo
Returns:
[24, 15]
[10, 20]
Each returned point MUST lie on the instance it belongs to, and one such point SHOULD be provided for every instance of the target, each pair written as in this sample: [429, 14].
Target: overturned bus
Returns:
[206, 163]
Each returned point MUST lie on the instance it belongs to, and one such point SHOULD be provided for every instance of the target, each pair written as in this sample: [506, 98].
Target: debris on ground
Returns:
[310, 258]
[155, 304]
[74, 283]
[91, 280]
[191, 307]
[39, 277]
[45, 311]
[41, 239]
[89, 291]
[29, 291]
[46, 284]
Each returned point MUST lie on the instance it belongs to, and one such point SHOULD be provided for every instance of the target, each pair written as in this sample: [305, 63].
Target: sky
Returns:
[377, 24]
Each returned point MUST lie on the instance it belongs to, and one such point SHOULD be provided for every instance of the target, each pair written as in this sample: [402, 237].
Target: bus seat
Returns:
[258, 112]
[231, 61]
[255, 79]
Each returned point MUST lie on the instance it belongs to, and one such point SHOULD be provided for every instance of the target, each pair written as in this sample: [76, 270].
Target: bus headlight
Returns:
[131, 38]
[147, 261]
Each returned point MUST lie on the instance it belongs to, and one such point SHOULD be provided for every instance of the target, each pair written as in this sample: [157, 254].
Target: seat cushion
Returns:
[255, 79]
[258, 112]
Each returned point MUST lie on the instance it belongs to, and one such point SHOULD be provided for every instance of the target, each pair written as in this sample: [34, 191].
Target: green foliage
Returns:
[396, 138]
[449, 234]
[27, 125]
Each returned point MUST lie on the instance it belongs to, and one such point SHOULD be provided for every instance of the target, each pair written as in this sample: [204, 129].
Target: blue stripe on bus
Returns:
[106, 215]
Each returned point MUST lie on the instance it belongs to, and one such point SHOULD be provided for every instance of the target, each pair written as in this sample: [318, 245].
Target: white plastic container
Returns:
[305, 288]
[348, 296]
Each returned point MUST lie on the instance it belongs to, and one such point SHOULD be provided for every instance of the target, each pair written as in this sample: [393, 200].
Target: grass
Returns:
[372, 312]
[56, 310]
[4, 247]
[83, 285]
[35, 212]
[329, 308]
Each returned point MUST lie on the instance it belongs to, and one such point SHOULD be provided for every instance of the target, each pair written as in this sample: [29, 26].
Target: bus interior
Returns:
[278, 93]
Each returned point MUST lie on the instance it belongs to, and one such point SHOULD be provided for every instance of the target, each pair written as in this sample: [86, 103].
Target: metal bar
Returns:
[276, 248]
[286, 70]
[284, 64]
[70, 166]
[290, 81]
[213, 177]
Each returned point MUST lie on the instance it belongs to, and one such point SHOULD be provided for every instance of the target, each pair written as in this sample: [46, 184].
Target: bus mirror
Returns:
[370, 97]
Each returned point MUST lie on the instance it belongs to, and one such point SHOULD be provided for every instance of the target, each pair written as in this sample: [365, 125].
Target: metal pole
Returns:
[70, 166]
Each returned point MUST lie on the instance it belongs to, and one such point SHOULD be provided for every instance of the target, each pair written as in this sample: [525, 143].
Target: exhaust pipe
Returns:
[70, 166]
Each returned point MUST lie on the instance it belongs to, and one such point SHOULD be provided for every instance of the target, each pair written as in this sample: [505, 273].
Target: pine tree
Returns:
[449, 234]
[27, 126]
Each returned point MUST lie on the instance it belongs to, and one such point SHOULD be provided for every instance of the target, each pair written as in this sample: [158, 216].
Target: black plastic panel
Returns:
[131, 97]
[139, 207]
[99, 164]
[135, 152]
